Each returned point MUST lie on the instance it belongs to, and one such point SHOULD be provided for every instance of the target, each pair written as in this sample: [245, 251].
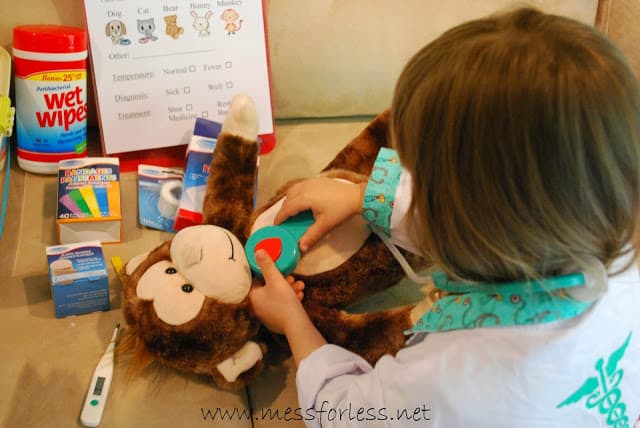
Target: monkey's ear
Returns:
[133, 264]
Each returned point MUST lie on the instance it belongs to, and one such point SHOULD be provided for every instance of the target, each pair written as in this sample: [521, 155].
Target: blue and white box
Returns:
[79, 279]
[159, 193]
[200, 153]
[196, 172]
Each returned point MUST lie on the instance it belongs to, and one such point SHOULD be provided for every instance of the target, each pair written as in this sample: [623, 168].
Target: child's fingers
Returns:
[291, 207]
[316, 231]
[298, 286]
[255, 294]
[270, 272]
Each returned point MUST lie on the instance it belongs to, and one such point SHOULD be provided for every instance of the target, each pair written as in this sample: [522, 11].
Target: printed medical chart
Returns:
[159, 65]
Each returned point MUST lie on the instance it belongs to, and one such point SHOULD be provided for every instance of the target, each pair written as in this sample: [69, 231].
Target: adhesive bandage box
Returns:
[79, 280]
[159, 191]
[196, 172]
[89, 200]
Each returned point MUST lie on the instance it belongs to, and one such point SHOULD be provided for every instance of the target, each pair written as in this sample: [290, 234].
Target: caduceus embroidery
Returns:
[602, 390]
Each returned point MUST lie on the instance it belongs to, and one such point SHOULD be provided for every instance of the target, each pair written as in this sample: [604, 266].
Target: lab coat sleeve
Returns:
[337, 388]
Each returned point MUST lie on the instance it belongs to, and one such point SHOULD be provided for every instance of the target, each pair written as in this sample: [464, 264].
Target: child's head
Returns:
[522, 133]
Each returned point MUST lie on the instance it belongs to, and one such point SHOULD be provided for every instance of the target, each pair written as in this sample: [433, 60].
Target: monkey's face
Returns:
[187, 301]
[205, 262]
[230, 16]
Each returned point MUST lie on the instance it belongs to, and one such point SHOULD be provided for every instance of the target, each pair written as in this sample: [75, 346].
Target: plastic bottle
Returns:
[51, 95]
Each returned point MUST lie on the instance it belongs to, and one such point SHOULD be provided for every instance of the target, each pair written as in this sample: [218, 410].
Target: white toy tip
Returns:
[242, 118]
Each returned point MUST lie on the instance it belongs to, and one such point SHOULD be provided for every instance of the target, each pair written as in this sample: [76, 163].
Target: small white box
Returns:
[79, 279]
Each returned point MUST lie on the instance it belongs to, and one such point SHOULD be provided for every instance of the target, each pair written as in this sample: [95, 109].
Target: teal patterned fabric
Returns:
[381, 190]
[493, 305]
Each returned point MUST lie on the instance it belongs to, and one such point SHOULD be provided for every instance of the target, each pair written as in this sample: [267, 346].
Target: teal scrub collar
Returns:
[472, 305]
[502, 304]
[441, 281]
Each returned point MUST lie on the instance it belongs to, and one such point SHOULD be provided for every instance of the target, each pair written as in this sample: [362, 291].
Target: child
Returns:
[519, 136]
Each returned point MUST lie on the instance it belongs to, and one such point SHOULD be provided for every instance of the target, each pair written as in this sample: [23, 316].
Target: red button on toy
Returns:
[273, 247]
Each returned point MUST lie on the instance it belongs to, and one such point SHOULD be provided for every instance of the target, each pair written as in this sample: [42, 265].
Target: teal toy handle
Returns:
[298, 224]
[280, 242]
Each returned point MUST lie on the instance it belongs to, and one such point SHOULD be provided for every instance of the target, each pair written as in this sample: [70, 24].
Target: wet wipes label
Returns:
[51, 114]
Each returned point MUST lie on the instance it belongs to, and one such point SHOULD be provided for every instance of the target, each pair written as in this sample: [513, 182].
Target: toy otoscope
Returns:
[280, 242]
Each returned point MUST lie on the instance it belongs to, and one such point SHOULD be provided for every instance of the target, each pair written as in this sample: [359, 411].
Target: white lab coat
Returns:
[580, 372]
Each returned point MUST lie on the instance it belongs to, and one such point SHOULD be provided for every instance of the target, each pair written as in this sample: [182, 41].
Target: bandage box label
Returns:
[79, 279]
[89, 200]
[159, 191]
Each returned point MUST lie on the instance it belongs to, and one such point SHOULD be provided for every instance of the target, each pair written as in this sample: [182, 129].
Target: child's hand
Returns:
[278, 302]
[331, 201]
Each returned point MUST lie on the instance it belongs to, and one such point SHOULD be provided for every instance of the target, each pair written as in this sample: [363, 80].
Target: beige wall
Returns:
[620, 19]
[344, 56]
[341, 57]
[18, 12]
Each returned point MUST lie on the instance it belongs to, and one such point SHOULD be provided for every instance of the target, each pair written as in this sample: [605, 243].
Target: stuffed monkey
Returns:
[186, 301]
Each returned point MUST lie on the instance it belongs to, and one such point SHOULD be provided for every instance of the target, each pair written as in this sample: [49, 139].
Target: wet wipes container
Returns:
[51, 95]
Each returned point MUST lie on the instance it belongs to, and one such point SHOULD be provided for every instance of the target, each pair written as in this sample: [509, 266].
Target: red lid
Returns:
[273, 247]
[49, 38]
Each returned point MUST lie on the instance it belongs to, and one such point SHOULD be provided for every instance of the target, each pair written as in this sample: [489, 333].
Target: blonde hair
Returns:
[522, 135]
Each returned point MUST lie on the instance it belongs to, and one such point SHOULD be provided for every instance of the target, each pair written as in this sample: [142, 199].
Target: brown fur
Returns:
[228, 202]
[358, 156]
[194, 346]
[219, 330]
[140, 359]
[371, 335]
[373, 268]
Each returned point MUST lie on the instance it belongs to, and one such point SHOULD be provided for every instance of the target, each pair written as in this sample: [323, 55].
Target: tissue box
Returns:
[79, 280]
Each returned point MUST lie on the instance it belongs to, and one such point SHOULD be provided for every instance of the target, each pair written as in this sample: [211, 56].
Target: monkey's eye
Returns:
[187, 288]
[170, 271]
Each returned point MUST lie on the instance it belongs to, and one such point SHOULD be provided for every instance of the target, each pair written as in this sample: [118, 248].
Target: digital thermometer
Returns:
[99, 388]
[280, 242]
